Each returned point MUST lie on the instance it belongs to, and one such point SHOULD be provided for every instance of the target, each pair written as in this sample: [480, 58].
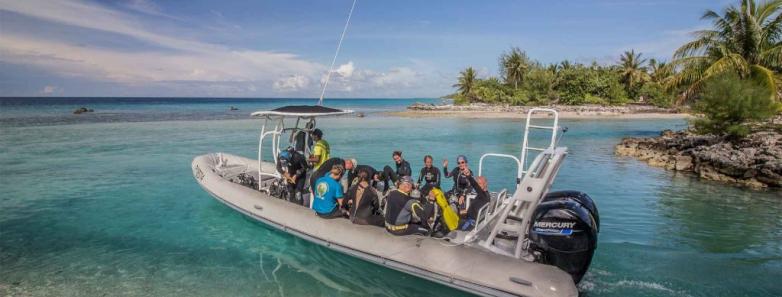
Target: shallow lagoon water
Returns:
[110, 208]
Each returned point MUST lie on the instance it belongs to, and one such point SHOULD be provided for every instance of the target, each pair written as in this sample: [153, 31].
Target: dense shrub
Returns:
[728, 103]
[539, 86]
[594, 85]
[655, 94]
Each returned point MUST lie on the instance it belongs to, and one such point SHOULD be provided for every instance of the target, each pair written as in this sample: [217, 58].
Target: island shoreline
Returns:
[492, 111]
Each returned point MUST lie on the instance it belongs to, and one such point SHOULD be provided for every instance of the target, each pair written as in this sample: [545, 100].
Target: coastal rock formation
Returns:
[81, 110]
[755, 161]
[578, 109]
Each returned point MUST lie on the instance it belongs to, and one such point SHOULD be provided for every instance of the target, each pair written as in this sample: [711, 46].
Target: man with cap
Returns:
[327, 201]
[404, 214]
[320, 151]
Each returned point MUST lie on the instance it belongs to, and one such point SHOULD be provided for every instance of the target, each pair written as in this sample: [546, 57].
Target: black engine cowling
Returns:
[564, 232]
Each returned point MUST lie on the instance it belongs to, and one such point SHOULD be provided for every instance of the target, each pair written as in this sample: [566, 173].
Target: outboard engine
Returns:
[564, 232]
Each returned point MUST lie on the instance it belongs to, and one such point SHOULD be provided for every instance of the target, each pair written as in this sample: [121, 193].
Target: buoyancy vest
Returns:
[449, 215]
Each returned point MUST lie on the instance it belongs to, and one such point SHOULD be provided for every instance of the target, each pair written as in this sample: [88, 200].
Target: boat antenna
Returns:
[339, 45]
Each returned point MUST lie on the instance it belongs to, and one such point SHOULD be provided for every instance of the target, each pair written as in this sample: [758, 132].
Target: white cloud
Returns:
[49, 90]
[139, 67]
[291, 83]
[190, 61]
[144, 6]
[400, 76]
[345, 70]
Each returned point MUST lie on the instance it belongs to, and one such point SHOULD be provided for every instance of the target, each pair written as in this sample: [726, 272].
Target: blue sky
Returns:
[253, 48]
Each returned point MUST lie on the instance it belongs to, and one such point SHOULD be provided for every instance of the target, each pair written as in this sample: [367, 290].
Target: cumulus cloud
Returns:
[401, 76]
[49, 90]
[291, 83]
[345, 70]
[188, 60]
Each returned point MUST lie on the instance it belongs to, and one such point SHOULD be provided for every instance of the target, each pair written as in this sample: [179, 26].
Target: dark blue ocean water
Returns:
[104, 204]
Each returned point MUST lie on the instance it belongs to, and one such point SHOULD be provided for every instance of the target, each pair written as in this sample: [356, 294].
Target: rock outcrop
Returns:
[755, 161]
[81, 110]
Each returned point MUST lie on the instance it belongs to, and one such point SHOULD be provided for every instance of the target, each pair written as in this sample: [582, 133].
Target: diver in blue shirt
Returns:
[327, 201]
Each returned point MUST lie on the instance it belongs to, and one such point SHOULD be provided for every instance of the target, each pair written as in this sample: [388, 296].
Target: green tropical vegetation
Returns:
[742, 49]
[728, 102]
[744, 40]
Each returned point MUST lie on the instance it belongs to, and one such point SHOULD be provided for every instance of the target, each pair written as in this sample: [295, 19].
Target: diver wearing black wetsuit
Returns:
[293, 166]
[405, 215]
[481, 198]
[363, 203]
[354, 173]
[402, 169]
[430, 176]
[461, 184]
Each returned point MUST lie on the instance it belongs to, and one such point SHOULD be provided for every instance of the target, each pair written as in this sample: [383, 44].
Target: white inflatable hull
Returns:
[464, 267]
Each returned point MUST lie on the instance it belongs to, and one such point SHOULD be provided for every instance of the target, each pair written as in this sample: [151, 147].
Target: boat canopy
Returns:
[305, 111]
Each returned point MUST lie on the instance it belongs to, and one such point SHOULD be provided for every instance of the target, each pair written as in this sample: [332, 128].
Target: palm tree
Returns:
[744, 40]
[659, 71]
[513, 66]
[467, 79]
[565, 65]
[632, 70]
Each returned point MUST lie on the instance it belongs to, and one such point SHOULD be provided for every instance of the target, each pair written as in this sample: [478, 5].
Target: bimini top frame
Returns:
[303, 111]
[307, 113]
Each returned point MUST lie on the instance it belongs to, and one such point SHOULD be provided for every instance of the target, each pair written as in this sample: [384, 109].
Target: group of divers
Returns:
[342, 188]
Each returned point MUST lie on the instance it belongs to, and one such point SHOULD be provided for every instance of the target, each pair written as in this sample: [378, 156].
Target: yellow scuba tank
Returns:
[450, 216]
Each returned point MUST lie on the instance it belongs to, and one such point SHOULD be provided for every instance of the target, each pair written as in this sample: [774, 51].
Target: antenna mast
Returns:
[339, 45]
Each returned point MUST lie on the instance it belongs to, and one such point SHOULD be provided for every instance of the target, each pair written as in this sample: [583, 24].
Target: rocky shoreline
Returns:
[599, 109]
[755, 161]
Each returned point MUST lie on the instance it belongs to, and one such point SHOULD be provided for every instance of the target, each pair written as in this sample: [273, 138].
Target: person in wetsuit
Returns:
[293, 167]
[482, 197]
[363, 204]
[461, 184]
[430, 175]
[352, 171]
[405, 215]
[402, 169]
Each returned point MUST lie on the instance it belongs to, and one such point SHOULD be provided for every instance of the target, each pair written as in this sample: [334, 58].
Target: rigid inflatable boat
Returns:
[527, 241]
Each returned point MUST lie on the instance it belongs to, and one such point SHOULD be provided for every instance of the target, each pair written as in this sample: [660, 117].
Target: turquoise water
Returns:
[107, 206]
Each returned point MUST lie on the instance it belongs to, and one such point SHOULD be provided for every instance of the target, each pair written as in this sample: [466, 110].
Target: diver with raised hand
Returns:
[461, 184]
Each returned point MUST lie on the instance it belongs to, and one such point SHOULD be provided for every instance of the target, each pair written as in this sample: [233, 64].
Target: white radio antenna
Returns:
[339, 45]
